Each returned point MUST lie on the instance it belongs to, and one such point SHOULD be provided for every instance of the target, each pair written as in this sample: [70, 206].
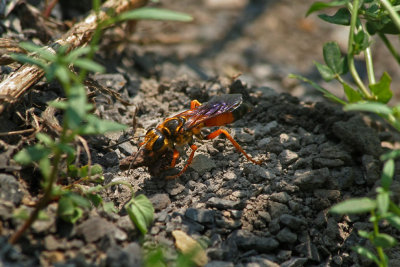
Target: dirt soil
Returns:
[276, 214]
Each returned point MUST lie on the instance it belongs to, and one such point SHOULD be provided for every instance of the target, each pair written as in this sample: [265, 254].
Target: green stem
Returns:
[381, 254]
[390, 47]
[392, 13]
[350, 51]
[370, 65]
[42, 203]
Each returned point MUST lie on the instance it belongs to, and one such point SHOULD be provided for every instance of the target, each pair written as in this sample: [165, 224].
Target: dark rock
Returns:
[175, 189]
[372, 168]
[292, 222]
[228, 223]
[276, 209]
[286, 236]
[9, 189]
[125, 223]
[329, 163]
[219, 264]
[248, 241]
[225, 204]
[110, 159]
[311, 179]
[308, 250]
[344, 178]
[130, 256]
[202, 164]
[160, 201]
[95, 228]
[287, 157]
[329, 194]
[281, 197]
[294, 262]
[202, 216]
[358, 135]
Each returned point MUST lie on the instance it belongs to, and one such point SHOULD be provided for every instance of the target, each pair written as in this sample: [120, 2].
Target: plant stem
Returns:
[370, 65]
[381, 254]
[43, 201]
[350, 51]
[390, 47]
[392, 13]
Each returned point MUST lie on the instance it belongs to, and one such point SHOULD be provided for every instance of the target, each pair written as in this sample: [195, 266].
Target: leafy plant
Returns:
[49, 153]
[364, 19]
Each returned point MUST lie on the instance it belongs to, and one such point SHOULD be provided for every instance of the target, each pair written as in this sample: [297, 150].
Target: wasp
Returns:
[179, 130]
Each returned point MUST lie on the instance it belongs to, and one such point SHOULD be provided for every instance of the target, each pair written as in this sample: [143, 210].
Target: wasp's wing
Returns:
[216, 106]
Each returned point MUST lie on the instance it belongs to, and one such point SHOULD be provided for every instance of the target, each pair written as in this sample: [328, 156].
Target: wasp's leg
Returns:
[194, 104]
[230, 138]
[189, 161]
[175, 156]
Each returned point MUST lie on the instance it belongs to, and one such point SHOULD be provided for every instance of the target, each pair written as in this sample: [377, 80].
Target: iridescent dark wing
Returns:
[216, 106]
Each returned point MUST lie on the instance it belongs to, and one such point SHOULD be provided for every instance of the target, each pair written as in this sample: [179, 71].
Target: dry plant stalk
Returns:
[18, 82]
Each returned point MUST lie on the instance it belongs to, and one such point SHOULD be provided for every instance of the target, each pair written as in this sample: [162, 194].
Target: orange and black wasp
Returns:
[179, 130]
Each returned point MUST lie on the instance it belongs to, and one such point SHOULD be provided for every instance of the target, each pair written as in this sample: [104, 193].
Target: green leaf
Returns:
[76, 53]
[66, 209]
[341, 17]
[141, 212]
[351, 94]
[387, 174]
[61, 72]
[45, 139]
[373, 107]
[89, 65]
[29, 60]
[95, 199]
[381, 89]
[393, 219]
[326, 73]
[66, 148]
[58, 104]
[78, 200]
[333, 58]
[45, 168]
[150, 13]
[361, 42]
[354, 206]
[43, 52]
[323, 5]
[382, 201]
[96, 169]
[390, 155]
[365, 234]
[32, 154]
[384, 241]
[98, 126]
[109, 207]
[367, 253]
[326, 93]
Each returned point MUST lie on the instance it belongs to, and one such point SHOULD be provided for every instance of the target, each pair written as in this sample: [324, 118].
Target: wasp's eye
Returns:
[158, 143]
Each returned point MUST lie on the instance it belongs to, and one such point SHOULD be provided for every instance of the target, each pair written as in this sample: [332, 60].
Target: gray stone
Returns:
[9, 189]
[130, 256]
[202, 164]
[174, 188]
[51, 243]
[202, 216]
[6, 210]
[294, 262]
[281, 197]
[127, 148]
[326, 193]
[287, 157]
[286, 236]
[330, 163]
[248, 241]
[291, 221]
[308, 250]
[160, 201]
[372, 168]
[225, 204]
[259, 173]
[358, 135]
[276, 209]
[260, 262]
[125, 223]
[311, 179]
[95, 228]
[219, 264]
[344, 178]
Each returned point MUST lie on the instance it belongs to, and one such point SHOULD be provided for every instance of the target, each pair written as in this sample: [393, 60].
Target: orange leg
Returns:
[194, 104]
[175, 156]
[189, 161]
[234, 143]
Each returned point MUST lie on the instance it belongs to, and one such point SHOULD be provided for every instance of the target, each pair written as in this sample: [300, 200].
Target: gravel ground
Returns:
[276, 214]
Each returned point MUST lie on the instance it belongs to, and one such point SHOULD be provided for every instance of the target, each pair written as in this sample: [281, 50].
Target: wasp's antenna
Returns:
[134, 159]
[123, 141]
